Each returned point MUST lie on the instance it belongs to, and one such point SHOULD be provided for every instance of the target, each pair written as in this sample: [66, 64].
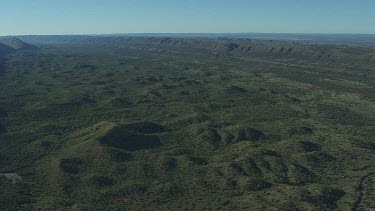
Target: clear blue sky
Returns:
[181, 16]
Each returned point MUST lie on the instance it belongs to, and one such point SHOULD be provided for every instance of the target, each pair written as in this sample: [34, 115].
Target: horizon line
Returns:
[187, 33]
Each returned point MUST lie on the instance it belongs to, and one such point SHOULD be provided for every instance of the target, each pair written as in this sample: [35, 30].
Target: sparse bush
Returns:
[233, 90]
[228, 138]
[319, 159]
[300, 175]
[133, 188]
[325, 198]
[2, 128]
[167, 163]
[249, 134]
[119, 156]
[255, 184]
[169, 189]
[250, 166]
[301, 131]
[71, 165]
[211, 136]
[145, 127]
[3, 113]
[197, 160]
[101, 181]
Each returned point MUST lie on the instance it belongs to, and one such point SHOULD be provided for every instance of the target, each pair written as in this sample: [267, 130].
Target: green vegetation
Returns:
[164, 127]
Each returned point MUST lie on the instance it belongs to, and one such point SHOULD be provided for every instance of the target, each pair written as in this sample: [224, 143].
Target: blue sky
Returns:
[186, 16]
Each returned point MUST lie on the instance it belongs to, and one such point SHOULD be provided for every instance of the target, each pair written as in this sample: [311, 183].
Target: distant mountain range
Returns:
[278, 48]
[220, 45]
[325, 39]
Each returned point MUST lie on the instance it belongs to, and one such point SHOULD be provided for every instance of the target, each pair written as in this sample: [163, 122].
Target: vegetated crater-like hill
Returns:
[278, 49]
